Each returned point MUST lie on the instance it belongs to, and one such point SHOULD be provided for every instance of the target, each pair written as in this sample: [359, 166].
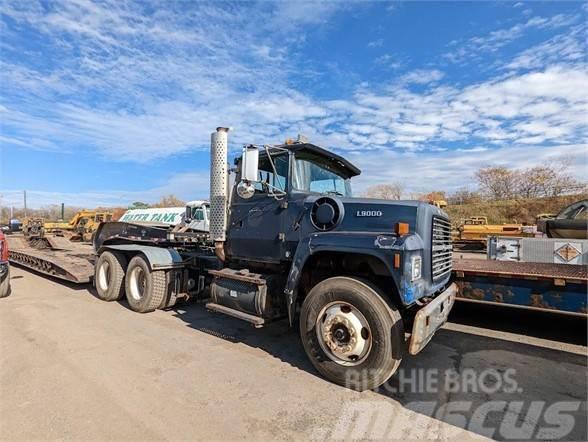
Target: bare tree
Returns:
[463, 196]
[435, 195]
[563, 182]
[535, 181]
[170, 201]
[391, 191]
[497, 182]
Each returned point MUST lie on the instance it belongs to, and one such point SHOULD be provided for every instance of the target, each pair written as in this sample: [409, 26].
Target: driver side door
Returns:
[255, 224]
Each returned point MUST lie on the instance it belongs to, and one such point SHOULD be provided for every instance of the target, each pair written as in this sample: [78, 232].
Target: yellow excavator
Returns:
[80, 228]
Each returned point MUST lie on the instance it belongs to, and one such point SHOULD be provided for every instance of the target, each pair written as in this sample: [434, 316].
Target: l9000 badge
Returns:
[373, 213]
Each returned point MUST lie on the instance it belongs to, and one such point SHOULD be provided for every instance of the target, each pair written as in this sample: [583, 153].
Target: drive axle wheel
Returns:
[109, 275]
[145, 289]
[350, 334]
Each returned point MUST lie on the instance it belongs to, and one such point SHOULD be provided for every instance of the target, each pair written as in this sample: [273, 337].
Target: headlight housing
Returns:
[416, 265]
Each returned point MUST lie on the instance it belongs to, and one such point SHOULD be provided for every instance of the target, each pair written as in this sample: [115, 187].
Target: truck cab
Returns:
[300, 217]
[197, 216]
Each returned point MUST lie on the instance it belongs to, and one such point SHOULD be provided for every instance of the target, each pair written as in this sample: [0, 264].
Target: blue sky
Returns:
[106, 103]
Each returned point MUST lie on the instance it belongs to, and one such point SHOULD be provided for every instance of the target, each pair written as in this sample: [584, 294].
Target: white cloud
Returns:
[388, 61]
[540, 104]
[131, 86]
[452, 170]
[422, 76]
[495, 40]
[376, 43]
[288, 15]
[567, 48]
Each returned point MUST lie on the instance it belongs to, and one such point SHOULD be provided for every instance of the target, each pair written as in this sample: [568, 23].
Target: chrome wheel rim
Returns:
[343, 333]
[104, 276]
[137, 283]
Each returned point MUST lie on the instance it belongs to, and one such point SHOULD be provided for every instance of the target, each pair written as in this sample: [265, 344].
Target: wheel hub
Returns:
[137, 285]
[343, 333]
[104, 275]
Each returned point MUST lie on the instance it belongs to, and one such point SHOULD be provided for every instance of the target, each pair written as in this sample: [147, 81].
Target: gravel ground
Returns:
[74, 367]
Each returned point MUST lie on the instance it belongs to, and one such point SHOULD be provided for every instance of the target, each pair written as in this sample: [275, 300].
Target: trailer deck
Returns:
[63, 259]
[557, 288]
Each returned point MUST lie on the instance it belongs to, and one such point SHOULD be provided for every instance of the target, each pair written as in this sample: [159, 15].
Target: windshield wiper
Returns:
[333, 192]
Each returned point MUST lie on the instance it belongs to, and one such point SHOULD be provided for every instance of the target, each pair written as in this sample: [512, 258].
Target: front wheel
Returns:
[350, 334]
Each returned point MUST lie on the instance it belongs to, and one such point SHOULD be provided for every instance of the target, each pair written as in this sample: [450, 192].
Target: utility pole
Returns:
[25, 202]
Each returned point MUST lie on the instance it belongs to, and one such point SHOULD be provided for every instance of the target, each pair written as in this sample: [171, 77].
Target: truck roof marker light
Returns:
[402, 228]
[397, 260]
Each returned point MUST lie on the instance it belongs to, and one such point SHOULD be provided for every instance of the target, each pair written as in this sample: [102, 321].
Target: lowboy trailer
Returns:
[287, 240]
[55, 255]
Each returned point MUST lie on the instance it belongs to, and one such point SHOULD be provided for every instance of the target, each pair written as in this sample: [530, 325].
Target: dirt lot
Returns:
[74, 367]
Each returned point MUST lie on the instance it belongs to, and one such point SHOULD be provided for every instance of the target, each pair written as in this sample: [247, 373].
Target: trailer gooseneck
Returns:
[288, 240]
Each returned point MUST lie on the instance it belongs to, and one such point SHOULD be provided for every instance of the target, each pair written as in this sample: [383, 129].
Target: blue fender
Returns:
[158, 258]
[379, 246]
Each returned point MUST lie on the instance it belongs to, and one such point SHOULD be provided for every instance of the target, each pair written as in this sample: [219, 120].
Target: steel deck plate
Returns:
[514, 269]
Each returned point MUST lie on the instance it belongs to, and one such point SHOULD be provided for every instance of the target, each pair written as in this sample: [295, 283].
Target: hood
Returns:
[368, 214]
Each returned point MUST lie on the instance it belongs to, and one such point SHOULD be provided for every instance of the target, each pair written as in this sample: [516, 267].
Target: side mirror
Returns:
[250, 164]
[245, 190]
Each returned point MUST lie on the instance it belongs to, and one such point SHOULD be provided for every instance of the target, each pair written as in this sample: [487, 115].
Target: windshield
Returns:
[313, 176]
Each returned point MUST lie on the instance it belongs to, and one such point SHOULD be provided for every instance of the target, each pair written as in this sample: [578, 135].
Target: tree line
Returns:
[496, 183]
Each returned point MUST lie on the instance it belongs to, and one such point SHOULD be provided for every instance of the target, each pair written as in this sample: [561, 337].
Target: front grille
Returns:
[441, 256]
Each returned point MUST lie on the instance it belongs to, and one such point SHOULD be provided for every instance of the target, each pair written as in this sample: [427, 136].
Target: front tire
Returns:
[350, 334]
[145, 289]
[109, 275]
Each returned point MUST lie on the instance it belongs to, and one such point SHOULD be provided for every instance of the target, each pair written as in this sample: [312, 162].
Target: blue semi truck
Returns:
[288, 240]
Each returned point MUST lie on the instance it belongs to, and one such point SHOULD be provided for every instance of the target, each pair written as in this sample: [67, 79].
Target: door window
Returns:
[198, 214]
[269, 182]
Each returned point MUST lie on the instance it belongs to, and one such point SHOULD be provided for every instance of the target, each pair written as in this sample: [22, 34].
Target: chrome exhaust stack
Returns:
[219, 176]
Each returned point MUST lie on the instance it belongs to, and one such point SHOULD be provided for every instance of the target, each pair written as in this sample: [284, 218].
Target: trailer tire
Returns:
[352, 336]
[145, 289]
[109, 275]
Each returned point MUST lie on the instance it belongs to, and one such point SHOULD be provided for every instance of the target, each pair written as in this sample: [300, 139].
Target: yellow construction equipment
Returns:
[438, 203]
[80, 228]
[475, 230]
[85, 223]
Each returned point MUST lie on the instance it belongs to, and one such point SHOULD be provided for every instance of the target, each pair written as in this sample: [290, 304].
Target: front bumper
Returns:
[428, 319]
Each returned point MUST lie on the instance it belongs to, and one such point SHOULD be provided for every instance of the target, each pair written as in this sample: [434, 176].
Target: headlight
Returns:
[416, 266]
